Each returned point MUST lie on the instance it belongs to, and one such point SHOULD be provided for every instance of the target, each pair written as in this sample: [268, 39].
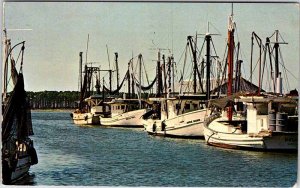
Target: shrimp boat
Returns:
[265, 122]
[18, 152]
[180, 116]
[183, 116]
[125, 113]
[91, 106]
[253, 121]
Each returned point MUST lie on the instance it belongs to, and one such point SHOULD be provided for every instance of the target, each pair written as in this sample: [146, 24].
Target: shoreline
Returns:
[52, 110]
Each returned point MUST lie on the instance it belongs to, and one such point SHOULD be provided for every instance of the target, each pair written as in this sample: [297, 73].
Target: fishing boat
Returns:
[180, 116]
[18, 152]
[125, 113]
[90, 114]
[183, 115]
[253, 121]
[264, 122]
[91, 105]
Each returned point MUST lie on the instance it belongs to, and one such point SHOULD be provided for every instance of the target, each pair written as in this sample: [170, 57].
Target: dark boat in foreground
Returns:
[18, 152]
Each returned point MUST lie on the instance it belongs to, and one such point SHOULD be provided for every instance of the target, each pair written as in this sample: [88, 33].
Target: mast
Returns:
[132, 81]
[270, 58]
[103, 90]
[278, 78]
[110, 72]
[259, 42]
[128, 78]
[237, 69]
[165, 75]
[173, 74]
[140, 80]
[117, 68]
[230, 43]
[276, 47]
[208, 39]
[6, 44]
[169, 73]
[194, 52]
[80, 70]
[87, 48]
[158, 74]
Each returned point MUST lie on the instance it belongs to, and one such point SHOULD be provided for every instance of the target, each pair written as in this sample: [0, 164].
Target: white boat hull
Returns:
[278, 141]
[188, 125]
[86, 119]
[128, 119]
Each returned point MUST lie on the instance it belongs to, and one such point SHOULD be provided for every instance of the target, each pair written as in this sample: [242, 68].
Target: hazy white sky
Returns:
[60, 29]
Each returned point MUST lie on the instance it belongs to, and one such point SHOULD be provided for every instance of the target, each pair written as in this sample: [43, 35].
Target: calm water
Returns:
[77, 155]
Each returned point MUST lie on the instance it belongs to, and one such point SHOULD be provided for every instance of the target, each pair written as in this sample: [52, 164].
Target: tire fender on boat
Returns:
[33, 156]
[154, 127]
[163, 126]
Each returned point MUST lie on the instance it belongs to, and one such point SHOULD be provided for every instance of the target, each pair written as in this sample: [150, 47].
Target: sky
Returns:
[58, 31]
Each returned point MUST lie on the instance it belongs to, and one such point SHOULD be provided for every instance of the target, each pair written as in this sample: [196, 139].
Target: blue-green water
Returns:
[76, 155]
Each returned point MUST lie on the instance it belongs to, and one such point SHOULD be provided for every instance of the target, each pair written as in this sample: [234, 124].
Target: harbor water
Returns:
[92, 155]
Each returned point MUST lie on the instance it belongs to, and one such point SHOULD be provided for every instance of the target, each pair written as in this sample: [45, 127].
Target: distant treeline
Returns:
[61, 99]
[53, 99]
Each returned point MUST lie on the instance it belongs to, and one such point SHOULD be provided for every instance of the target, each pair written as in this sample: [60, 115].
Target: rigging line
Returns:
[281, 37]
[17, 58]
[224, 62]
[145, 70]
[254, 67]
[211, 24]
[264, 53]
[200, 52]
[136, 66]
[184, 64]
[190, 64]
[189, 80]
[272, 35]
[237, 34]
[16, 62]
[267, 83]
[181, 55]
[216, 54]
[282, 64]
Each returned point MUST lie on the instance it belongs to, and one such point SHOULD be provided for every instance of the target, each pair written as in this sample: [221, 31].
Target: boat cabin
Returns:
[172, 107]
[119, 106]
[96, 105]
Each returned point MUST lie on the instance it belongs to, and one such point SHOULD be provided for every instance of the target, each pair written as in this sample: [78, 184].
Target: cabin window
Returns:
[239, 106]
[187, 106]
[122, 107]
[195, 106]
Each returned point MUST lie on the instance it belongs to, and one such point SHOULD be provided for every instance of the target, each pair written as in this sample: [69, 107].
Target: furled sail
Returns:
[15, 114]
